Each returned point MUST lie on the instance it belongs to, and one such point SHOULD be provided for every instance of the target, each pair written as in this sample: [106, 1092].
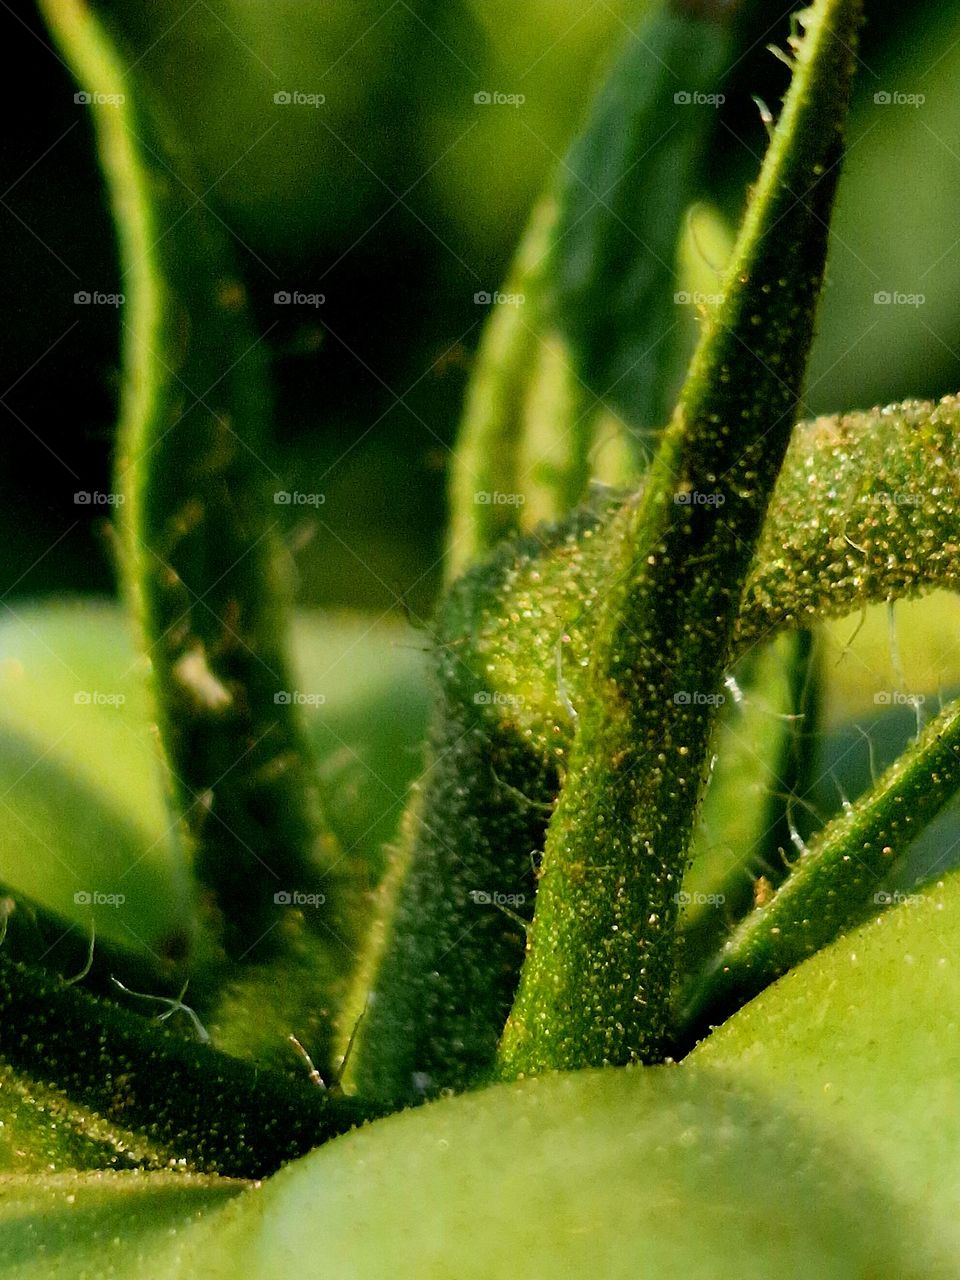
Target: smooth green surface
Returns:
[662, 1172]
[863, 1039]
[78, 835]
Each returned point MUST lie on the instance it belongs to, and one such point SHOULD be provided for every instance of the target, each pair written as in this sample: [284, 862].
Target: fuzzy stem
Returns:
[597, 981]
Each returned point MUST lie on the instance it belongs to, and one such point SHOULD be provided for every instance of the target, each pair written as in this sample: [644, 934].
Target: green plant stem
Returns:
[867, 509]
[854, 520]
[446, 968]
[834, 884]
[595, 987]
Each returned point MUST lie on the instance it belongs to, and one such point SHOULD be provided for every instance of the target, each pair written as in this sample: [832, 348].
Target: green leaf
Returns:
[588, 350]
[899, 248]
[199, 1107]
[617, 1174]
[72, 1225]
[623, 190]
[595, 986]
[861, 1038]
[42, 1133]
[80, 836]
[199, 524]
[368, 731]
[522, 442]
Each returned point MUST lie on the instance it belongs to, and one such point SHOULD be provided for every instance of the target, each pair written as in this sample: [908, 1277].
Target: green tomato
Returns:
[616, 1173]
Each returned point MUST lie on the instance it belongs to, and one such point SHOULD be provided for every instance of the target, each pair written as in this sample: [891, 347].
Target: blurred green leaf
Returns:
[368, 730]
[583, 337]
[890, 319]
[71, 1226]
[85, 820]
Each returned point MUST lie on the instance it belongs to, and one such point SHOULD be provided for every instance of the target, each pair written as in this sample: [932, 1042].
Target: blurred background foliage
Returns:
[399, 199]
